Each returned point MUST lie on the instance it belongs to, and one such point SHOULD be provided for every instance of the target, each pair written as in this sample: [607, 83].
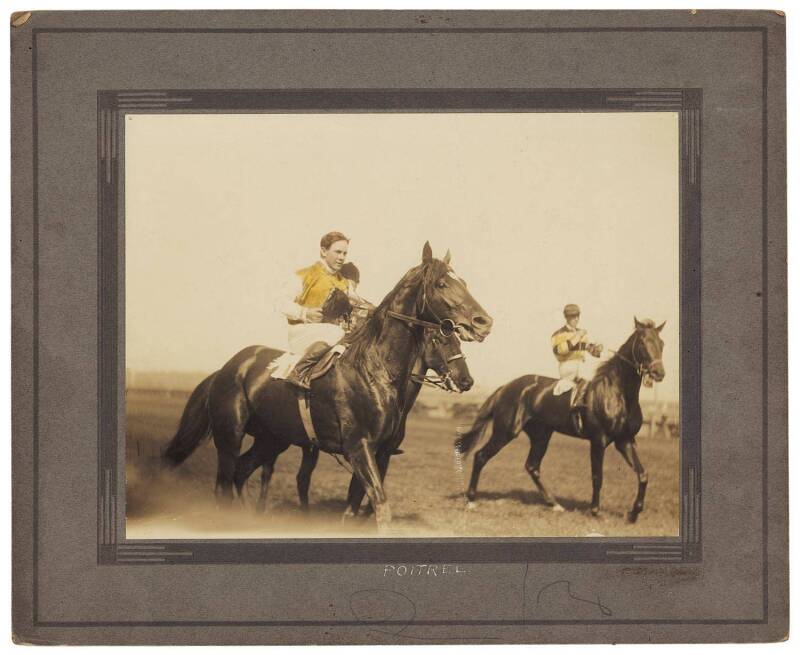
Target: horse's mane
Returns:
[358, 341]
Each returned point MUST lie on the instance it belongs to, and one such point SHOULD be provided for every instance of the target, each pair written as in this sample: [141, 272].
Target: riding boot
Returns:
[578, 410]
[300, 374]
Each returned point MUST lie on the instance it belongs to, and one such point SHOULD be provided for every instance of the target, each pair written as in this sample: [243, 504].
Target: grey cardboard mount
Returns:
[75, 73]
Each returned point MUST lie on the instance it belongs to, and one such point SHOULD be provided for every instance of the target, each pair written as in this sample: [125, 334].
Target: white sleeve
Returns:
[285, 302]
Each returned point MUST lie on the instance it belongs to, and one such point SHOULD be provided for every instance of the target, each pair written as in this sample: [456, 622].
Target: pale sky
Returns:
[538, 210]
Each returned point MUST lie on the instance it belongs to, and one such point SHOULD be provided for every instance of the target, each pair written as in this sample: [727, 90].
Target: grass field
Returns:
[425, 488]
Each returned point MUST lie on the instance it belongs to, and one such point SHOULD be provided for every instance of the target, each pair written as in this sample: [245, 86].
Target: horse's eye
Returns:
[441, 283]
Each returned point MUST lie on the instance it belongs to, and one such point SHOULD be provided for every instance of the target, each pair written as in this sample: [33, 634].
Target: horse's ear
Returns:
[637, 324]
[661, 327]
[446, 259]
[427, 253]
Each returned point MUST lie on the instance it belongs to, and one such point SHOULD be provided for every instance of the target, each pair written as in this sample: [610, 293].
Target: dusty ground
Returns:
[424, 486]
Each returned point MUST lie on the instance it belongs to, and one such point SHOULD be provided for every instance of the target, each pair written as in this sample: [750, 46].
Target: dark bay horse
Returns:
[441, 353]
[612, 415]
[357, 407]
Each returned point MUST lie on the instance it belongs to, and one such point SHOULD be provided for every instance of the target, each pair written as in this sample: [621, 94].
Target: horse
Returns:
[611, 415]
[441, 353]
[356, 407]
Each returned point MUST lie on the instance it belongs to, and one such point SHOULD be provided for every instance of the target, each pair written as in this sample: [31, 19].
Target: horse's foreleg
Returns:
[597, 453]
[307, 466]
[356, 492]
[628, 451]
[492, 447]
[365, 467]
[540, 439]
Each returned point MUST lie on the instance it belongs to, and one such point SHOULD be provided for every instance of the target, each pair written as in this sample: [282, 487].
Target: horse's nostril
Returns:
[483, 321]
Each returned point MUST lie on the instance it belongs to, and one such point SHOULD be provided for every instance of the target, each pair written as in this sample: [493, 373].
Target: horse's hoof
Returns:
[472, 505]
[348, 515]
[557, 508]
[383, 517]
[595, 511]
[632, 516]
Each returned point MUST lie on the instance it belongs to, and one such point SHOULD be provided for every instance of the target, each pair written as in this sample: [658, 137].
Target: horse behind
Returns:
[612, 415]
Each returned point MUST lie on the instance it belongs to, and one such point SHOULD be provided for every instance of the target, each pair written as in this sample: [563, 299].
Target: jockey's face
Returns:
[336, 255]
[572, 321]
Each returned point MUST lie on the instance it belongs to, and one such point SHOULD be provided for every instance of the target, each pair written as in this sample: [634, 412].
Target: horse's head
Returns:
[647, 349]
[442, 353]
[336, 308]
[445, 298]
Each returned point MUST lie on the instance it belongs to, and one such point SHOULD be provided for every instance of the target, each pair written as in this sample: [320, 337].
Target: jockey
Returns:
[302, 304]
[569, 346]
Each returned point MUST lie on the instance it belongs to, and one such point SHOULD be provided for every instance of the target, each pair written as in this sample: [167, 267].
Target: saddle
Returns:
[326, 362]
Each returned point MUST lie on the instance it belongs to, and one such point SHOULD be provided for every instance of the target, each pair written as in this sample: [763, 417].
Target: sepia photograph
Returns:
[402, 324]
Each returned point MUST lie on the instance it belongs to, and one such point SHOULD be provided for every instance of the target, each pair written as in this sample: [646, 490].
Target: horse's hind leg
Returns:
[307, 466]
[228, 423]
[628, 451]
[497, 441]
[540, 439]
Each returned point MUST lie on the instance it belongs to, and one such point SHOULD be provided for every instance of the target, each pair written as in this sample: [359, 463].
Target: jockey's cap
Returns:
[572, 310]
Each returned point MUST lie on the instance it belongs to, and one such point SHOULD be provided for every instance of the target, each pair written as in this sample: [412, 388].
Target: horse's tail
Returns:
[194, 426]
[466, 442]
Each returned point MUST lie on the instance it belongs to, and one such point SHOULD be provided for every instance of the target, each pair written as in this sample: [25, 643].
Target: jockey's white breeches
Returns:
[302, 335]
[569, 372]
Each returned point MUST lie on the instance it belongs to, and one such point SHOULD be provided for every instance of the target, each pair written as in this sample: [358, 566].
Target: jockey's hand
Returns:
[597, 349]
[314, 315]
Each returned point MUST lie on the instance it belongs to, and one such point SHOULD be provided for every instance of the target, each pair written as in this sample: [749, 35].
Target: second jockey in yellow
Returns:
[570, 346]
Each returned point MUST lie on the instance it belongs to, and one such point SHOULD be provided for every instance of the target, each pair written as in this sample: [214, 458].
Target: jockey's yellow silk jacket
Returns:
[561, 344]
[317, 284]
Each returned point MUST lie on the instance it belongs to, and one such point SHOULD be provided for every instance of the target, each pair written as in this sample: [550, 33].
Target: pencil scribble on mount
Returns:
[391, 612]
[556, 593]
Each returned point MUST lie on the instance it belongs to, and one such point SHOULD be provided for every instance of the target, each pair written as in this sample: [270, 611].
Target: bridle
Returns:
[641, 368]
[446, 328]
[440, 381]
